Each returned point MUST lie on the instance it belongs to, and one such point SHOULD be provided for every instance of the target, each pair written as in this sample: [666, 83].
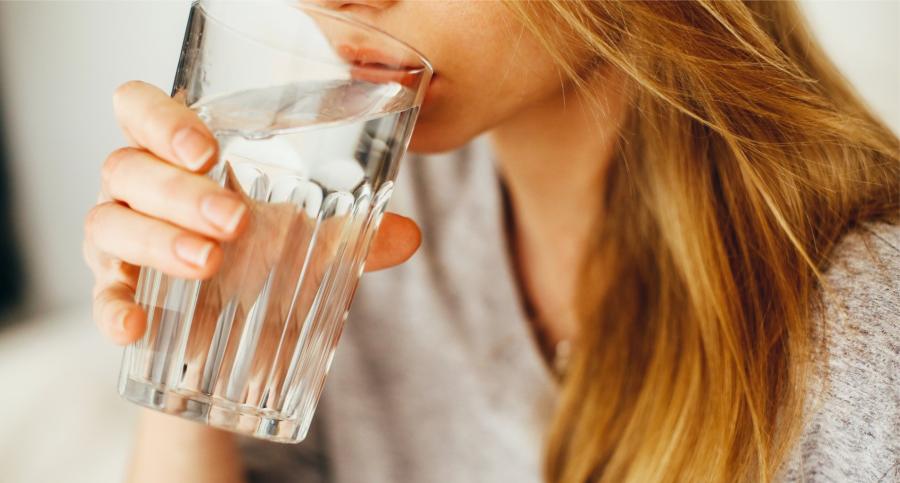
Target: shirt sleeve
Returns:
[852, 421]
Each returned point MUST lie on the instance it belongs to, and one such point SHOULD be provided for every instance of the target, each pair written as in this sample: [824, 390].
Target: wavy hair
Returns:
[744, 157]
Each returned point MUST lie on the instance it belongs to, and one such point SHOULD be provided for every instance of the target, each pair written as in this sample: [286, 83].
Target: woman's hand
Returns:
[156, 209]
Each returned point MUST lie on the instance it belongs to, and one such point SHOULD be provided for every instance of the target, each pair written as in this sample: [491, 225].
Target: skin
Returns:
[492, 76]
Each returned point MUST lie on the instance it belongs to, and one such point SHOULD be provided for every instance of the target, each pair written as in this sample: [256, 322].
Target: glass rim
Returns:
[424, 68]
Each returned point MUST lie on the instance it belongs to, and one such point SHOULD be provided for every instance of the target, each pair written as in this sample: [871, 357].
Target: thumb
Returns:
[397, 240]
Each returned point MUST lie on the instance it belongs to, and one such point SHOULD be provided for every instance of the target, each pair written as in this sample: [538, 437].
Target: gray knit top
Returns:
[438, 377]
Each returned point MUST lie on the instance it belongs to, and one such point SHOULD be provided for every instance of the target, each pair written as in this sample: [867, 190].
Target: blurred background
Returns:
[60, 417]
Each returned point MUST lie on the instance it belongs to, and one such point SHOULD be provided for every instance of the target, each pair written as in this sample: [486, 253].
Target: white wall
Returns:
[60, 61]
[863, 38]
[59, 64]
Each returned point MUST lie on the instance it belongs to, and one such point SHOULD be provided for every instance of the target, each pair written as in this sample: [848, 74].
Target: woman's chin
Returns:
[431, 137]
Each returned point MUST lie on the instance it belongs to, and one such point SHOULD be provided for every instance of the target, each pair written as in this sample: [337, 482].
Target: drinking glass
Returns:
[312, 111]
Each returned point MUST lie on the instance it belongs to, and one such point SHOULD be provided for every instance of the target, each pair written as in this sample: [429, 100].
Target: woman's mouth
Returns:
[366, 56]
[373, 65]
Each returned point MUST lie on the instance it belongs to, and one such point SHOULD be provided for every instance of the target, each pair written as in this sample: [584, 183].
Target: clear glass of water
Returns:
[312, 111]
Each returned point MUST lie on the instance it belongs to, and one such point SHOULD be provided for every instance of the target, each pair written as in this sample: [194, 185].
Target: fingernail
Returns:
[223, 211]
[192, 148]
[193, 251]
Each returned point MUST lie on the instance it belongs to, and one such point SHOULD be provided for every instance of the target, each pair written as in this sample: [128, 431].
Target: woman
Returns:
[681, 205]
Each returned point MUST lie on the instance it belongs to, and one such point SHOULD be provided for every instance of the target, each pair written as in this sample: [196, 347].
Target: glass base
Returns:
[259, 423]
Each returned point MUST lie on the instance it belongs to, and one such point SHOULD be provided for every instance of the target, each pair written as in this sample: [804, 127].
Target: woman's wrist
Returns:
[175, 450]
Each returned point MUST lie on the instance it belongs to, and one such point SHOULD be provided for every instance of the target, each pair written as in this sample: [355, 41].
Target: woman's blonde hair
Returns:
[743, 159]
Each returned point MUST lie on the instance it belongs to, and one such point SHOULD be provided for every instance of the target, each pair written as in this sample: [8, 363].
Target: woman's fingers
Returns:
[397, 239]
[118, 233]
[108, 269]
[162, 125]
[140, 240]
[116, 314]
[163, 191]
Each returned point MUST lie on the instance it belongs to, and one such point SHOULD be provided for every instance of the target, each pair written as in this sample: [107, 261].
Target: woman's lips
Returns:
[375, 57]
[375, 66]
[382, 76]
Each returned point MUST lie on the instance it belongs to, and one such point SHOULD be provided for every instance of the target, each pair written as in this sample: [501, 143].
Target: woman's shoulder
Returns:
[861, 286]
[860, 298]
[853, 406]
[867, 258]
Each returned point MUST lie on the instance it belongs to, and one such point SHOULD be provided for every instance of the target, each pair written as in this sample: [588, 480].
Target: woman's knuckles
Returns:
[164, 126]
[110, 170]
[91, 222]
[162, 191]
[116, 313]
[108, 269]
[115, 270]
[126, 89]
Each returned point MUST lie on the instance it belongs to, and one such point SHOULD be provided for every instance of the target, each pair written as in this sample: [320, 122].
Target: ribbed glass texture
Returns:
[313, 148]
